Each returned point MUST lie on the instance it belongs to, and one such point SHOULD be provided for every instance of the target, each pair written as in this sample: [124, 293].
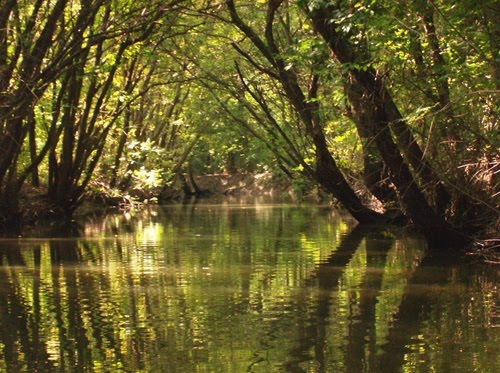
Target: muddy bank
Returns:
[241, 184]
[247, 184]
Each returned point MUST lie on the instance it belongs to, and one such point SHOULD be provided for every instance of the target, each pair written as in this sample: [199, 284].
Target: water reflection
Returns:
[235, 288]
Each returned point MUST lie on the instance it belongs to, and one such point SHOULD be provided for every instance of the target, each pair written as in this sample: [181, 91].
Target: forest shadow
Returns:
[327, 277]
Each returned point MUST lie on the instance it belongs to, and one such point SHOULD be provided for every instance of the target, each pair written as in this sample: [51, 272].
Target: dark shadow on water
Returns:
[75, 299]
[359, 346]
[51, 228]
[416, 308]
[19, 321]
[76, 292]
[327, 277]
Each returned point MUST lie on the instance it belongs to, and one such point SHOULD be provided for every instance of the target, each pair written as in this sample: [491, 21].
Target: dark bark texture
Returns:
[385, 117]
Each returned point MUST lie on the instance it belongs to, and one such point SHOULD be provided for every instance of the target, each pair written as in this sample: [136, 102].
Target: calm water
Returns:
[242, 288]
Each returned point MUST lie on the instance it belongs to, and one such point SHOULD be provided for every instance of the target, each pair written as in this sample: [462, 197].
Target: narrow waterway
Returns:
[238, 287]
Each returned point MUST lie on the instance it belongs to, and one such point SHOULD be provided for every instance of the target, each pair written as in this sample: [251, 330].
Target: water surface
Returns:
[242, 288]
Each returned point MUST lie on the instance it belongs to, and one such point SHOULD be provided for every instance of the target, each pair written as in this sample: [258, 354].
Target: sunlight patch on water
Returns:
[241, 288]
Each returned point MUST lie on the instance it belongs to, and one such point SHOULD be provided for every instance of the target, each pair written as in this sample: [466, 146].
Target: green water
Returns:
[242, 288]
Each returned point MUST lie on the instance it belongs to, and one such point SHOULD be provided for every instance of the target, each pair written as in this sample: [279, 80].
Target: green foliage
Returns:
[186, 88]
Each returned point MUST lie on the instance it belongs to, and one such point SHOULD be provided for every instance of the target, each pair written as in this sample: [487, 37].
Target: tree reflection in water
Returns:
[240, 288]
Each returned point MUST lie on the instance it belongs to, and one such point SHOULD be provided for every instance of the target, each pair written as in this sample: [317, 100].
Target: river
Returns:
[242, 287]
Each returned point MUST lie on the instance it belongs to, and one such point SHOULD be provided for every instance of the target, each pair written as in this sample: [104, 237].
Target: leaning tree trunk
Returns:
[328, 175]
[192, 182]
[375, 173]
[434, 227]
[327, 172]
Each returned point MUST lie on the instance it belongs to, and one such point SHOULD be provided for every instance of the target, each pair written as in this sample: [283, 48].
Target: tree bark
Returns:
[121, 146]
[385, 113]
[326, 173]
[35, 178]
[375, 173]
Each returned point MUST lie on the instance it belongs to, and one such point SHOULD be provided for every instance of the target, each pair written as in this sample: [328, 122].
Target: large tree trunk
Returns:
[375, 173]
[376, 94]
[327, 172]
[10, 214]
[329, 176]
[35, 178]
[385, 113]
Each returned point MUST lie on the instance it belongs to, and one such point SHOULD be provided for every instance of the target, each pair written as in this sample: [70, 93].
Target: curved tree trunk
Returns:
[327, 172]
[375, 173]
[385, 113]
[192, 182]
[333, 181]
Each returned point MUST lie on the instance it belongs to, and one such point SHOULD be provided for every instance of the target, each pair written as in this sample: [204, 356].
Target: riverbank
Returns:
[37, 211]
[242, 184]
[36, 208]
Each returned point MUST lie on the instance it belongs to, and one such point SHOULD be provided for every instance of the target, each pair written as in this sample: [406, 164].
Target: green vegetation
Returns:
[237, 288]
[362, 98]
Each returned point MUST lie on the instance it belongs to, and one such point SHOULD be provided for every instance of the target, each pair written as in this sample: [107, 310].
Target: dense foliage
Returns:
[371, 97]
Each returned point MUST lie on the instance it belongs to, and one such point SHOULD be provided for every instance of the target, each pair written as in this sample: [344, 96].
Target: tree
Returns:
[34, 51]
[326, 171]
[129, 94]
[386, 119]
